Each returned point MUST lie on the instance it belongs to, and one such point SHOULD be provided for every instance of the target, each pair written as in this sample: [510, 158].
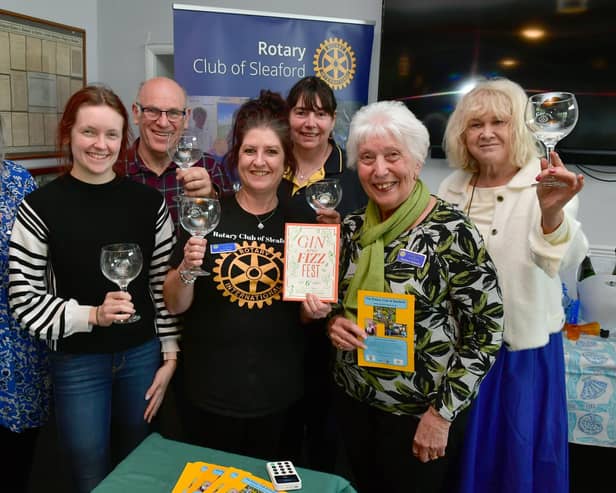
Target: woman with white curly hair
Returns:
[402, 429]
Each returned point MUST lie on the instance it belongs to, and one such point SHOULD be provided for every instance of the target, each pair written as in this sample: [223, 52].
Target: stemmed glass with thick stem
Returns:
[185, 150]
[324, 194]
[121, 263]
[199, 216]
[551, 116]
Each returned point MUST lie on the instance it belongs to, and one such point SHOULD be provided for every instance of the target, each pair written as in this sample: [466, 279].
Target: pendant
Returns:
[260, 225]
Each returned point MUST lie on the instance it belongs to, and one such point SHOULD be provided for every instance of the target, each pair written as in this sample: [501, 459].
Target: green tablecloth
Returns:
[156, 464]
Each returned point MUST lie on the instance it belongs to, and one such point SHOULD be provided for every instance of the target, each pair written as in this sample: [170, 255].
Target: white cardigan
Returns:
[526, 261]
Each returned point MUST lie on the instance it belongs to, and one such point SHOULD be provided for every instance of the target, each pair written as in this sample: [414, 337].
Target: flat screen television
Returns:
[431, 50]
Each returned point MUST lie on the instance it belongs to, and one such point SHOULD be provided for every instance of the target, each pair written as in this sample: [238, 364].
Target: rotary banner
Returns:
[223, 57]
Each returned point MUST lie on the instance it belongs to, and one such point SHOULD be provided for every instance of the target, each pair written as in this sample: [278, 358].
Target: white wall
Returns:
[76, 13]
[597, 204]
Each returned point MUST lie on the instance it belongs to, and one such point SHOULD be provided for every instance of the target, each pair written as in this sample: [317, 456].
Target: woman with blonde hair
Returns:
[516, 440]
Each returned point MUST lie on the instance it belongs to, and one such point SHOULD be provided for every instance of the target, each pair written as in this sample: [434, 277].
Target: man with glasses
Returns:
[161, 114]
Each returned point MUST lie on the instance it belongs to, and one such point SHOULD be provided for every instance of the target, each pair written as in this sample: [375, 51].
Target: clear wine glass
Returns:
[199, 216]
[185, 150]
[324, 194]
[551, 116]
[121, 263]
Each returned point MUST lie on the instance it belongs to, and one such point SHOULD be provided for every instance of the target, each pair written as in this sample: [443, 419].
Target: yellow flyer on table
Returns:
[389, 321]
[248, 483]
[224, 480]
[311, 261]
[208, 475]
[189, 474]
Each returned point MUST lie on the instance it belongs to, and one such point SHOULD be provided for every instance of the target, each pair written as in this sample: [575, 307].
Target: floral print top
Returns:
[24, 377]
[458, 316]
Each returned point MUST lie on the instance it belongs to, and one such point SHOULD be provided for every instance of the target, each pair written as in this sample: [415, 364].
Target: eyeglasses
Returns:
[153, 113]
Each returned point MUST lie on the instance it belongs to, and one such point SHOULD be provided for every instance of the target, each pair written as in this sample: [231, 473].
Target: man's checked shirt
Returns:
[167, 183]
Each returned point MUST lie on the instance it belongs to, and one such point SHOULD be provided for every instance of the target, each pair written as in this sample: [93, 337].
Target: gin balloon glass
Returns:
[199, 216]
[184, 150]
[121, 263]
[551, 116]
[324, 194]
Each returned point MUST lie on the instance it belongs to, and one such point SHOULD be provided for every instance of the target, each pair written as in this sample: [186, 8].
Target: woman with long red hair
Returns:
[106, 377]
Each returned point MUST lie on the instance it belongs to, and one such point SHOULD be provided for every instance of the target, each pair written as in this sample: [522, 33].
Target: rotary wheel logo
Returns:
[334, 62]
[543, 118]
[251, 275]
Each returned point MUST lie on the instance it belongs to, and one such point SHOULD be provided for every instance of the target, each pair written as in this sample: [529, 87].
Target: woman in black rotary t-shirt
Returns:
[243, 346]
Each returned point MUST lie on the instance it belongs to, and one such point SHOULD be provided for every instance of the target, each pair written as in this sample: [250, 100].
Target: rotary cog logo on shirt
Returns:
[251, 275]
[334, 62]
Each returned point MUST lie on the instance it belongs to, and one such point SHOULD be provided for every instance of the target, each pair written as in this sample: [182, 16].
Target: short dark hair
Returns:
[308, 89]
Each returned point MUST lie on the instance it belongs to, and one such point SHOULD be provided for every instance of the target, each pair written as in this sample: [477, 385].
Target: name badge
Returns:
[222, 248]
[413, 258]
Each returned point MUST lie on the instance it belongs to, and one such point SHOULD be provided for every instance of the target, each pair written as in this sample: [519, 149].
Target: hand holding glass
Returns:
[199, 216]
[121, 263]
[324, 194]
[551, 116]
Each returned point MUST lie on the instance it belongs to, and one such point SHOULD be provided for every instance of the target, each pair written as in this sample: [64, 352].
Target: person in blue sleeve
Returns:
[25, 386]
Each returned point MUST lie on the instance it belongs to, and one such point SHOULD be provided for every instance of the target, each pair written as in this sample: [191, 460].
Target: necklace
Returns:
[305, 175]
[261, 220]
[468, 207]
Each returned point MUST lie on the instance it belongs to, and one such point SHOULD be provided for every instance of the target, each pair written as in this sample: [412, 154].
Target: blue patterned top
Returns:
[24, 375]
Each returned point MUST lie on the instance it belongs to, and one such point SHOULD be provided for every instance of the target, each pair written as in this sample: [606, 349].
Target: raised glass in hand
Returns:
[324, 194]
[199, 216]
[551, 116]
[186, 149]
[121, 263]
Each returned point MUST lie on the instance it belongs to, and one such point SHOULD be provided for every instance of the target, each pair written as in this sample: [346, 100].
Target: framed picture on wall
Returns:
[41, 64]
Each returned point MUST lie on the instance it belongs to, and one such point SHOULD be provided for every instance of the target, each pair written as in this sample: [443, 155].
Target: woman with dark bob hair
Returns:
[312, 117]
[313, 111]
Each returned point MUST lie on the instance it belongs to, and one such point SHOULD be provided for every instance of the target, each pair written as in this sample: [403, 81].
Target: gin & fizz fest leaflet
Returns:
[311, 261]
[389, 322]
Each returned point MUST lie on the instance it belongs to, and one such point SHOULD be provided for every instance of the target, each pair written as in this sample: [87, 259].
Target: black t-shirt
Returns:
[243, 346]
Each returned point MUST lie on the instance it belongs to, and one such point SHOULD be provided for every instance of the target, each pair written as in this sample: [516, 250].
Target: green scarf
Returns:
[373, 236]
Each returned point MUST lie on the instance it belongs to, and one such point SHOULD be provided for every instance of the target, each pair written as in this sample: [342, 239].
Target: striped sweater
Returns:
[54, 263]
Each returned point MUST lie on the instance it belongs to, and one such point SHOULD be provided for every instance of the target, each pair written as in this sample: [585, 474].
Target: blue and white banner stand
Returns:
[223, 57]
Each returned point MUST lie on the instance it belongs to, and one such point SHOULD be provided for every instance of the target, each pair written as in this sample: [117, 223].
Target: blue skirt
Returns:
[516, 438]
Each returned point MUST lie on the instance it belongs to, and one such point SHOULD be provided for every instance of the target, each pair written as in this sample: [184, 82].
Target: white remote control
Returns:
[283, 475]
